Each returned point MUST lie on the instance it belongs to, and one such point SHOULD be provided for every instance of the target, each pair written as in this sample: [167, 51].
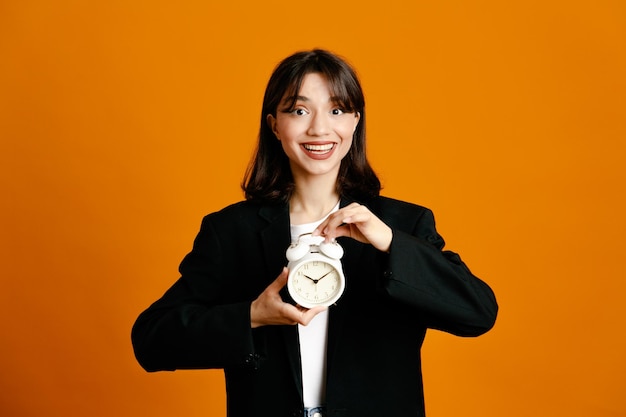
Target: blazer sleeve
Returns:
[196, 324]
[437, 283]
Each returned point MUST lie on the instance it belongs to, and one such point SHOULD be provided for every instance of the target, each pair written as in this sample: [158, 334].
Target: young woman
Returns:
[229, 309]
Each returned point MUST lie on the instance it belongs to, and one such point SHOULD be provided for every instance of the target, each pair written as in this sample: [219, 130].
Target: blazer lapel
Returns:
[337, 313]
[276, 237]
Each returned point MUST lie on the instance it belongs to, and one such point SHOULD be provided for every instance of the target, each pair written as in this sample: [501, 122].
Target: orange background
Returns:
[123, 123]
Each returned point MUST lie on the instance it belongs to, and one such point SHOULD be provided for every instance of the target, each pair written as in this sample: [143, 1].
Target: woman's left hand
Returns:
[359, 223]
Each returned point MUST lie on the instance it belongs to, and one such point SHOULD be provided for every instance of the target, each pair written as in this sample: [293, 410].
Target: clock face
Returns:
[314, 283]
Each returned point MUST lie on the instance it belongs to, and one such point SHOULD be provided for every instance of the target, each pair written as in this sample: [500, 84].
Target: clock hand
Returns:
[323, 276]
[314, 280]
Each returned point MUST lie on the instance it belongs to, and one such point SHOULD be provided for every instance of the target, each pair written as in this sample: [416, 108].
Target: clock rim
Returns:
[305, 303]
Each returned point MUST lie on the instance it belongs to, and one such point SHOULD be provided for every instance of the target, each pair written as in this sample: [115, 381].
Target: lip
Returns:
[319, 150]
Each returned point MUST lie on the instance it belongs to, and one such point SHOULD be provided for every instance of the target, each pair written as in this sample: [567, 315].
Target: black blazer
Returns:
[375, 330]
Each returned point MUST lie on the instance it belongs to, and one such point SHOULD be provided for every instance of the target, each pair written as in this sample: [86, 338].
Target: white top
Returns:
[313, 341]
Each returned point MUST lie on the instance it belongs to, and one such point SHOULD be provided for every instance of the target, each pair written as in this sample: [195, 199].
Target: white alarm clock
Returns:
[315, 274]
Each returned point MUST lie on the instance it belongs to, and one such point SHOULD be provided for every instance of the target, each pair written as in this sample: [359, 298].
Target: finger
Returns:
[329, 227]
[307, 315]
[301, 315]
[321, 227]
[335, 219]
[342, 230]
[341, 226]
[358, 218]
[351, 212]
[292, 314]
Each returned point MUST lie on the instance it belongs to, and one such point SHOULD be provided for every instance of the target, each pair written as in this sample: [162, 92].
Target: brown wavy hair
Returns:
[268, 177]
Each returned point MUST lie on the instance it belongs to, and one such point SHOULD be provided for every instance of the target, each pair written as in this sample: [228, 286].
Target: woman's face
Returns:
[317, 133]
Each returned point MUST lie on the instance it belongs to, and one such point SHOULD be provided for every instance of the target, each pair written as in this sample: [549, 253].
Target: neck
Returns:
[312, 200]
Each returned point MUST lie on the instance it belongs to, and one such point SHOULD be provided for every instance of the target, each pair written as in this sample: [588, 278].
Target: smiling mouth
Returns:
[327, 147]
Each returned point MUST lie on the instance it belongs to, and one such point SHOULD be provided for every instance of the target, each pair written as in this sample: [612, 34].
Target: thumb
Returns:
[281, 280]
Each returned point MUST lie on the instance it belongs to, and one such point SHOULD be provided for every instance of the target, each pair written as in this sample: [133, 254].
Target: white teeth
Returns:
[319, 148]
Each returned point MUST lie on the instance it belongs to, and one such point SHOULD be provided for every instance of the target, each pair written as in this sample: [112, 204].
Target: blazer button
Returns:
[252, 360]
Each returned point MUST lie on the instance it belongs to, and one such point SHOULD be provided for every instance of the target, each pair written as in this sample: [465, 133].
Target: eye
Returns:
[336, 112]
[299, 112]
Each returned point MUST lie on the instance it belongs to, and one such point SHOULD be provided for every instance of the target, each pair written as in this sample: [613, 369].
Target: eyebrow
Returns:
[293, 99]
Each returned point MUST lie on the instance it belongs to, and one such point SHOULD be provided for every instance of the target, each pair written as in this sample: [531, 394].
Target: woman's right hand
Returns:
[270, 309]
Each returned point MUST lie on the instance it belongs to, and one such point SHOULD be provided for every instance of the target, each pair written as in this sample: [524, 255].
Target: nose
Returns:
[319, 124]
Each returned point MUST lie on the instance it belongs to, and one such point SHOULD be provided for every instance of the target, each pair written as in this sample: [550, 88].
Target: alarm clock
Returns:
[315, 274]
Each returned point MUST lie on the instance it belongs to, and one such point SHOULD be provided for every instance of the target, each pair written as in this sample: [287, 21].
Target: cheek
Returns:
[287, 131]
[347, 134]
[286, 147]
[348, 127]
[346, 144]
